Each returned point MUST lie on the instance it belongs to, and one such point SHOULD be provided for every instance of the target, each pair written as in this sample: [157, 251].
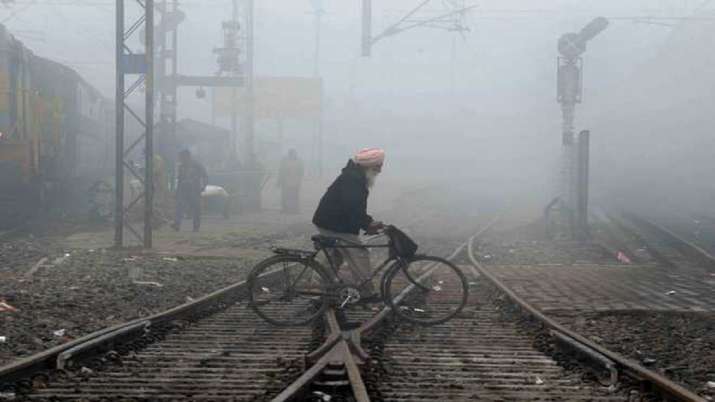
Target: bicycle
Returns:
[291, 288]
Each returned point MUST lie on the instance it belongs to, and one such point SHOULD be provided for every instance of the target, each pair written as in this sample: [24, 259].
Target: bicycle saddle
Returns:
[293, 251]
[324, 240]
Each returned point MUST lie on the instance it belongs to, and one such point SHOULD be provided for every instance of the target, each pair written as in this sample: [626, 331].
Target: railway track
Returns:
[213, 348]
[9, 233]
[668, 247]
[653, 384]
[697, 229]
[230, 353]
[477, 356]
[216, 349]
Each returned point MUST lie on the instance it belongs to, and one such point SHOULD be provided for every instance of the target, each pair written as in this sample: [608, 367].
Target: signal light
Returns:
[593, 28]
[572, 45]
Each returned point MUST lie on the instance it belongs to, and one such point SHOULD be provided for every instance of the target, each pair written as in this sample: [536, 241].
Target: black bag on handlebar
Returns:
[400, 244]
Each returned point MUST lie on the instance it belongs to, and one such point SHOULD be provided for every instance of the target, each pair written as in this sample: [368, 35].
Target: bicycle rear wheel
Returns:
[287, 290]
[425, 290]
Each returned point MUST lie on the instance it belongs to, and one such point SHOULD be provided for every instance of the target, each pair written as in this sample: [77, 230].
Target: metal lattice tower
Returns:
[140, 65]
[229, 64]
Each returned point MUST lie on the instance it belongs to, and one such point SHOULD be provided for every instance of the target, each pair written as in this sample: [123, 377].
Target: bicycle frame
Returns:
[335, 270]
[313, 285]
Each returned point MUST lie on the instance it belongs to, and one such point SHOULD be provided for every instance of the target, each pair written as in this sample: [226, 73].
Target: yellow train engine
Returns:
[56, 136]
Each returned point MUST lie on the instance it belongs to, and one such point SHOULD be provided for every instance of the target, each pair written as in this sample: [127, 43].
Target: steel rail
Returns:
[9, 233]
[344, 346]
[370, 325]
[58, 357]
[633, 369]
[688, 248]
[52, 358]
[339, 347]
[99, 341]
[607, 363]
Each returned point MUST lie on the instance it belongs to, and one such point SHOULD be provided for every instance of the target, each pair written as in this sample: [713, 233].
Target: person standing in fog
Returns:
[290, 177]
[192, 180]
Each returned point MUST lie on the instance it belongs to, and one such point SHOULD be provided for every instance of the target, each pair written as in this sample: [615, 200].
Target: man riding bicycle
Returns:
[342, 213]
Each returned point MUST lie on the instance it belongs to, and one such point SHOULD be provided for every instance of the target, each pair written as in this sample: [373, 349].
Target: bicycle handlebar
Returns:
[380, 232]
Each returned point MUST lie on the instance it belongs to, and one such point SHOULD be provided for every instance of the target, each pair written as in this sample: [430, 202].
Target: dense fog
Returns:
[475, 108]
[355, 200]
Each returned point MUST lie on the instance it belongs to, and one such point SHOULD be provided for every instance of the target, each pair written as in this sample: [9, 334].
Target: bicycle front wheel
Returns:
[425, 290]
[287, 290]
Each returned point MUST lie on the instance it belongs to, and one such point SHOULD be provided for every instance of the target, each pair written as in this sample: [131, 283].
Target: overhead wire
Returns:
[15, 13]
[95, 3]
[702, 5]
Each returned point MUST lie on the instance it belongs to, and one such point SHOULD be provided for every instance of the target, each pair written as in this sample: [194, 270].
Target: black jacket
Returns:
[192, 179]
[343, 207]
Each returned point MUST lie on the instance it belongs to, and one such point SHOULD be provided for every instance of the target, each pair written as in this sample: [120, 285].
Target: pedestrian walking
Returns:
[290, 178]
[192, 180]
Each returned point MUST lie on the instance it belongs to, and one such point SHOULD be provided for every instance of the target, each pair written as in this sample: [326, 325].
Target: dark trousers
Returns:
[190, 203]
[290, 199]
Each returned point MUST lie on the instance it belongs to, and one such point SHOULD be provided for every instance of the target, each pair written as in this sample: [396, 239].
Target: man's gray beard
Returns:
[371, 178]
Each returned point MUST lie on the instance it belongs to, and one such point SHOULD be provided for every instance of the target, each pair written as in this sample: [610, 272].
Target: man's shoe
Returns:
[175, 227]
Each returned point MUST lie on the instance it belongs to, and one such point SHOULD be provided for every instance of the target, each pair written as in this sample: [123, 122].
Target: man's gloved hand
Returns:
[374, 227]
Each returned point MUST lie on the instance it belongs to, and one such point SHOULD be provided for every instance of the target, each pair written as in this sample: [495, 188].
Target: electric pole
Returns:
[142, 66]
[167, 49]
[167, 82]
[229, 65]
[248, 118]
[318, 12]
[231, 38]
[235, 67]
[254, 175]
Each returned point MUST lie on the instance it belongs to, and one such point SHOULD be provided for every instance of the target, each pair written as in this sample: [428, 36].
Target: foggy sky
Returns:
[508, 48]
[429, 96]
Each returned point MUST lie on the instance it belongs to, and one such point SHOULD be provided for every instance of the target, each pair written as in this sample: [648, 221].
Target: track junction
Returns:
[503, 346]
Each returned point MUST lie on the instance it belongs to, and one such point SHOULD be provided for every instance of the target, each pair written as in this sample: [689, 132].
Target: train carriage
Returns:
[55, 139]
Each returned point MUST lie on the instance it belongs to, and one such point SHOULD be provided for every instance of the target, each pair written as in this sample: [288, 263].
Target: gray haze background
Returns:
[477, 112]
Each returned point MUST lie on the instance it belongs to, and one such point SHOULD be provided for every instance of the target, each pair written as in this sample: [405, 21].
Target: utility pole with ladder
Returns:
[140, 65]
[166, 80]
